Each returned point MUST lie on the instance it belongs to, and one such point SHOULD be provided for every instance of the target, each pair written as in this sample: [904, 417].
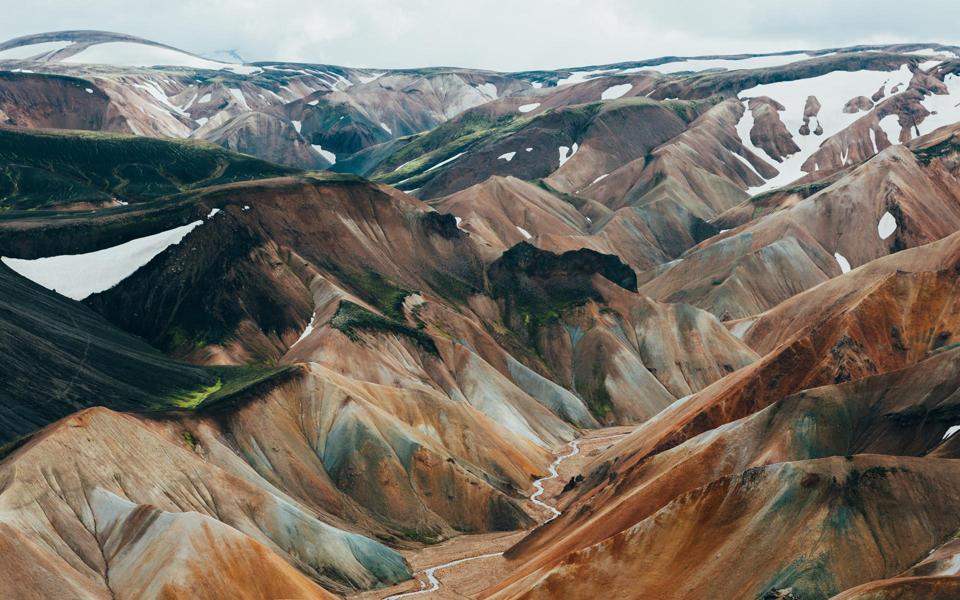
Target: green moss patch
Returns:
[352, 319]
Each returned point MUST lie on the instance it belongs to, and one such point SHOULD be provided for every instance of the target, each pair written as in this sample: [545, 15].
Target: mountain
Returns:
[675, 328]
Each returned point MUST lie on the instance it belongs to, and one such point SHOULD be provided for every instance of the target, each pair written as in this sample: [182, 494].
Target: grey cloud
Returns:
[496, 34]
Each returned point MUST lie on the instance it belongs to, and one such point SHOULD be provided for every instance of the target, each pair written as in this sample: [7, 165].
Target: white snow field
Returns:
[79, 275]
[132, 54]
[833, 90]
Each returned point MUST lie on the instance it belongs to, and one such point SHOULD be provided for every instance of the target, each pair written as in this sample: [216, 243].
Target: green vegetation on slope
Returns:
[48, 169]
[447, 140]
[351, 319]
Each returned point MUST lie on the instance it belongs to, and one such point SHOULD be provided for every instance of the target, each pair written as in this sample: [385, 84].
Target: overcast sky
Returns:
[494, 34]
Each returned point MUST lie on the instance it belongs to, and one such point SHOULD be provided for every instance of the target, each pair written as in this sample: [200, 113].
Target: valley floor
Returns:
[467, 579]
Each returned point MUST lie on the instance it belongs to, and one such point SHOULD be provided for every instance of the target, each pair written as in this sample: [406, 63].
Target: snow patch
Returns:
[524, 232]
[951, 431]
[213, 212]
[842, 261]
[886, 226]
[88, 90]
[444, 162]
[746, 162]
[615, 91]
[890, 125]
[330, 156]
[386, 128]
[238, 96]
[154, 89]
[581, 76]
[79, 275]
[206, 98]
[601, 178]
[307, 330]
[525, 108]
[944, 108]
[567, 153]
[298, 125]
[507, 157]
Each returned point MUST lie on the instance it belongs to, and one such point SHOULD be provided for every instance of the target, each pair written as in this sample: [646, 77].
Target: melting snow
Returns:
[441, 163]
[886, 226]
[615, 91]
[890, 125]
[79, 275]
[945, 106]
[744, 160]
[306, 331]
[567, 153]
[507, 157]
[525, 108]
[238, 96]
[536, 84]
[202, 121]
[833, 90]
[843, 262]
[313, 103]
[524, 232]
[206, 98]
[330, 156]
[154, 89]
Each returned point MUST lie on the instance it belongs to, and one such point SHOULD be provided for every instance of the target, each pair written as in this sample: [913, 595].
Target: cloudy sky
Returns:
[495, 34]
